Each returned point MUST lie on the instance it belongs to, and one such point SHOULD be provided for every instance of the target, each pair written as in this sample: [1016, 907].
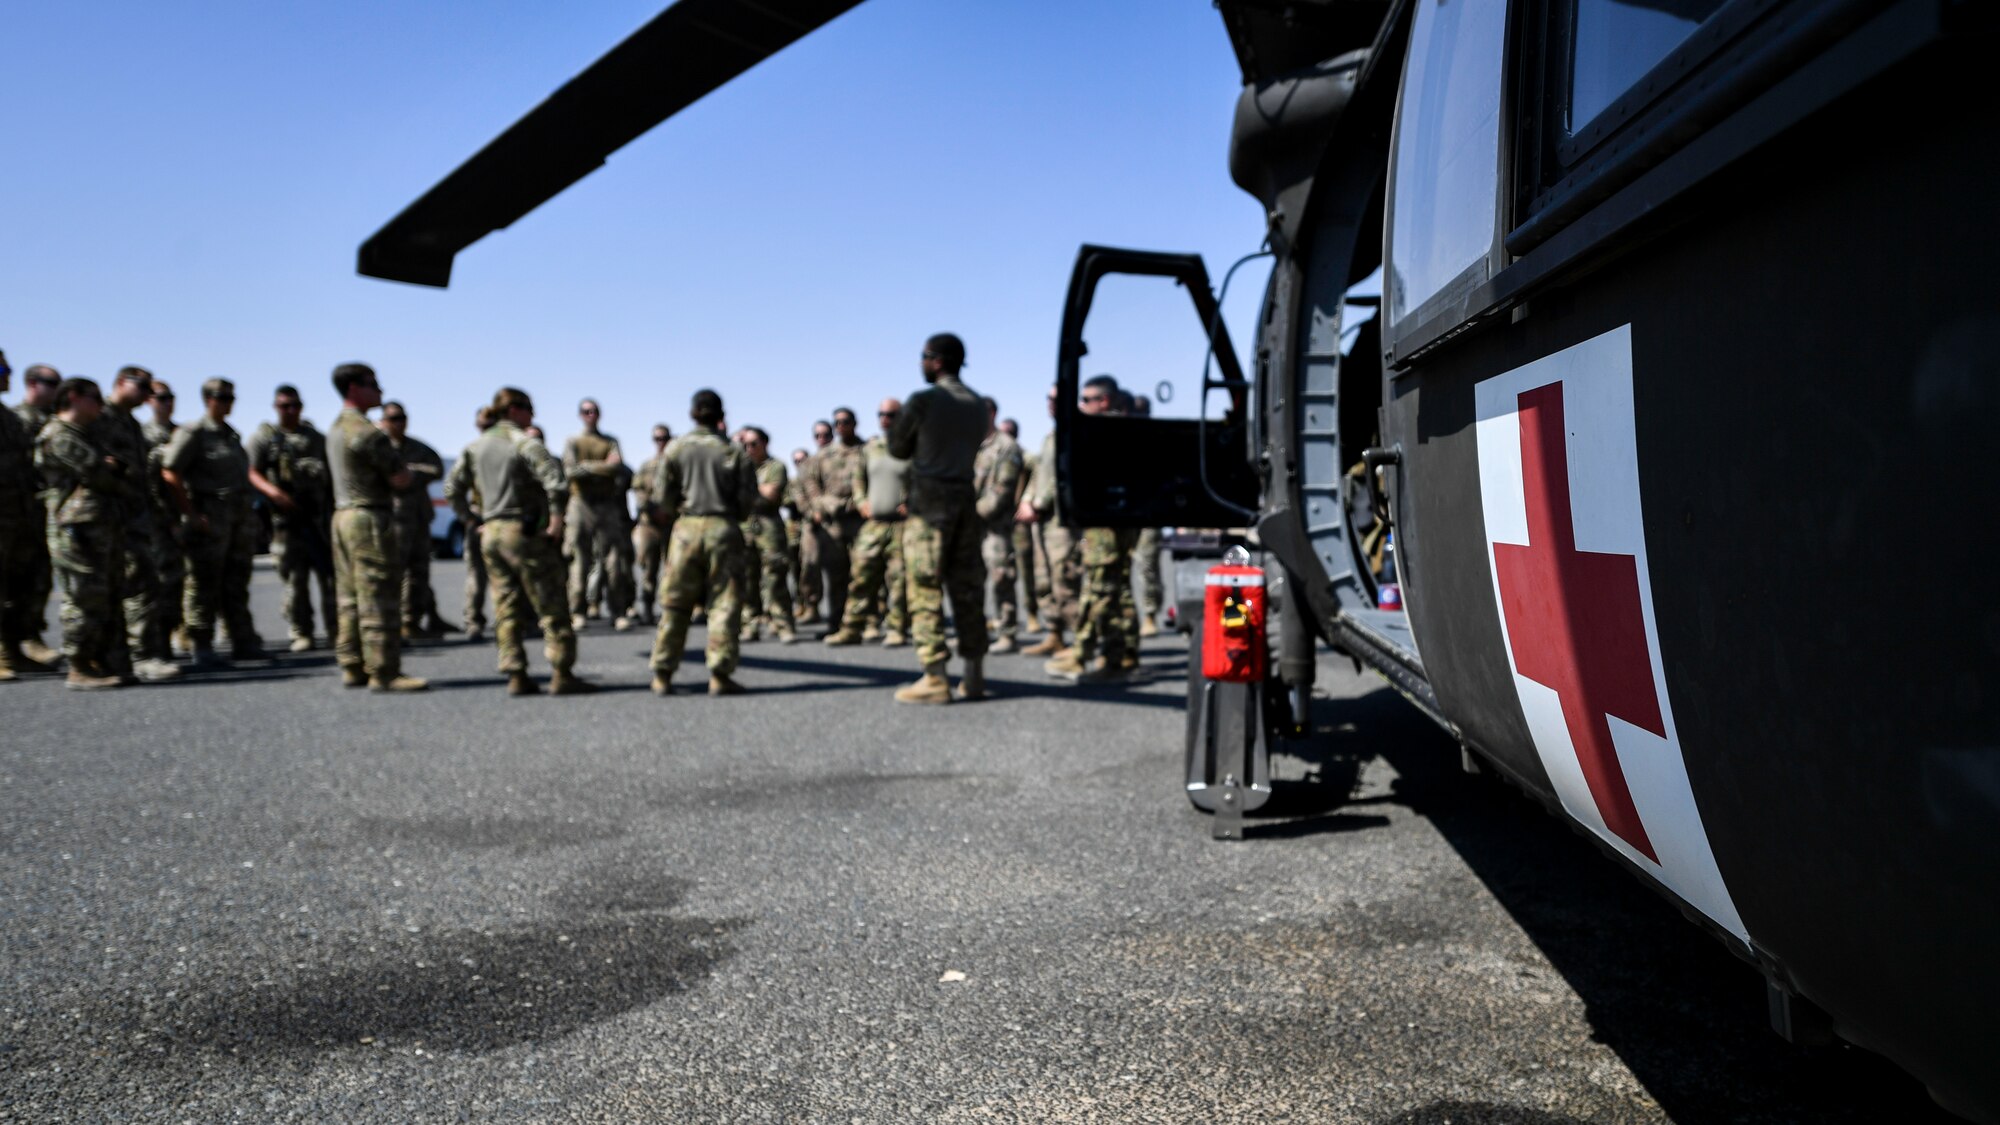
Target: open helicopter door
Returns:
[1125, 471]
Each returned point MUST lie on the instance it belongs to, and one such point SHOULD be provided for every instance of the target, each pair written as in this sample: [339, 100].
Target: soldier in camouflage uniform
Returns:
[35, 410]
[833, 512]
[598, 535]
[208, 474]
[20, 521]
[811, 583]
[464, 500]
[1146, 555]
[1060, 574]
[648, 542]
[767, 578]
[85, 491]
[996, 478]
[1107, 621]
[167, 549]
[288, 465]
[706, 485]
[414, 513]
[145, 653]
[1024, 537]
[522, 492]
[366, 471]
[939, 434]
[877, 592]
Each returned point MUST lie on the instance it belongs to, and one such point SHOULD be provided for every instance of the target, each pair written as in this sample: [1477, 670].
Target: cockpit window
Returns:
[1447, 148]
[1615, 42]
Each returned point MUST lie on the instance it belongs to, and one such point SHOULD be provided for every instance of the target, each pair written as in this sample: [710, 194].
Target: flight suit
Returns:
[996, 479]
[833, 520]
[596, 531]
[413, 515]
[706, 485]
[301, 540]
[939, 434]
[519, 482]
[209, 458]
[84, 498]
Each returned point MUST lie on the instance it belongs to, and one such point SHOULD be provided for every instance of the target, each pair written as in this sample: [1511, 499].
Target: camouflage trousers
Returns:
[833, 543]
[41, 578]
[1146, 566]
[1024, 560]
[1003, 576]
[878, 591]
[419, 602]
[650, 546]
[22, 541]
[1107, 620]
[218, 586]
[304, 558]
[527, 575]
[367, 590]
[767, 574]
[172, 559]
[805, 567]
[704, 567]
[87, 567]
[1061, 575]
[597, 536]
[142, 591]
[941, 560]
[475, 579]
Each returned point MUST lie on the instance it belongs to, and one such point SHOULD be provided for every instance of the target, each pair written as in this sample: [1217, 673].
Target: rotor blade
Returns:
[684, 53]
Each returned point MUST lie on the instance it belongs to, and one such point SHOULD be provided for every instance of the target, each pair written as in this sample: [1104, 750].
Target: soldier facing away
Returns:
[1059, 570]
[414, 512]
[367, 558]
[208, 475]
[522, 490]
[939, 434]
[706, 485]
[288, 465]
[465, 505]
[85, 490]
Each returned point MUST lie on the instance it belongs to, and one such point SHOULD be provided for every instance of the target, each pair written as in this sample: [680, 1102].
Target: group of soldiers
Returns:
[148, 531]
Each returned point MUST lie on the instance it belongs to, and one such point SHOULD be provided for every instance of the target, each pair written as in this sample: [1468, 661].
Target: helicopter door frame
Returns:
[1118, 471]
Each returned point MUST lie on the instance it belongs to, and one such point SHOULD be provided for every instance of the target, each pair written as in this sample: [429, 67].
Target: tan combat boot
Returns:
[1048, 646]
[720, 684]
[894, 638]
[662, 686]
[569, 683]
[1103, 671]
[972, 685]
[93, 679]
[846, 636]
[1032, 623]
[932, 688]
[1147, 627]
[7, 673]
[302, 643]
[520, 683]
[785, 636]
[871, 633]
[398, 684]
[1004, 644]
[353, 677]
[35, 650]
[1064, 666]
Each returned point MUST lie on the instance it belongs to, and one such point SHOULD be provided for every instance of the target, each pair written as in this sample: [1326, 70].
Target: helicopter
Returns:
[1673, 400]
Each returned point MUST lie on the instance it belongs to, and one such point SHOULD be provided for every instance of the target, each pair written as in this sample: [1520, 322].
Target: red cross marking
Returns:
[1575, 620]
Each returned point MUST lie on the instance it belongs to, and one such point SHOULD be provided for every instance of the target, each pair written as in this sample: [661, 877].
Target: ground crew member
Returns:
[877, 592]
[834, 512]
[939, 434]
[288, 465]
[648, 543]
[598, 535]
[414, 514]
[144, 654]
[706, 485]
[208, 474]
[1107, 621]
[996, 480]
[21, 516]
[1059, 571]
[37, 406]
[522, 492]
[764, 543]
[159, 430]
[85, 490]
[805, 560]
[366, 471]
[464, 503]
[1024, 538]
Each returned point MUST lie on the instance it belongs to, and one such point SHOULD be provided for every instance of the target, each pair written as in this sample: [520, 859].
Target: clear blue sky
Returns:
[184, 187]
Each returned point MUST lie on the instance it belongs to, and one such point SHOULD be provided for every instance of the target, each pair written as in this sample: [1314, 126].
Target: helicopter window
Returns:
[1447, 150]
[1141, 331]
[1615, 43]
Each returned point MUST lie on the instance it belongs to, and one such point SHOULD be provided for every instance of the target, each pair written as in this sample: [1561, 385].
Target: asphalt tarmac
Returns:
[254, 896]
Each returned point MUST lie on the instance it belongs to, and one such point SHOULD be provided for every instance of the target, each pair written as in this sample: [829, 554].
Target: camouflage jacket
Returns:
[119, 435]
[827, 481]
[513, 475]
[996, 480]
[592, 474]
[295, 462]
[209, 458]
[413, 504]
[81, 486]
[360, 459]
[702, 474]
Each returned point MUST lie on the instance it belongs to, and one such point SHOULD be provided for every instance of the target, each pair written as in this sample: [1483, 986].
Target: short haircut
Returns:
[662, 430]
[71, 387]
[41, 373]
[160, 387]
[217, 387]
[800, 455]
[992, 407]
[507, 399]
[825, 423]
[1012, 427]
[483, 418]
[1124, 404]
[132, 373]
[348, 374]
[949, 349]
[761, 435]
[392, 404]
[583, 402]
[1106, 383]
[847, 410]
[706, 407]
[287, 390]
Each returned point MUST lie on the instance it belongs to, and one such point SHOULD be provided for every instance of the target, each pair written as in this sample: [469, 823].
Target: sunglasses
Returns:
[394, 418]
[887, 413]
[223, 398]
[930, 355]
[158, 397]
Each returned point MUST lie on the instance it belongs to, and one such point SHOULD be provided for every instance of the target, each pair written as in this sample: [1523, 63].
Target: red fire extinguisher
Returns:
[1232, 635]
